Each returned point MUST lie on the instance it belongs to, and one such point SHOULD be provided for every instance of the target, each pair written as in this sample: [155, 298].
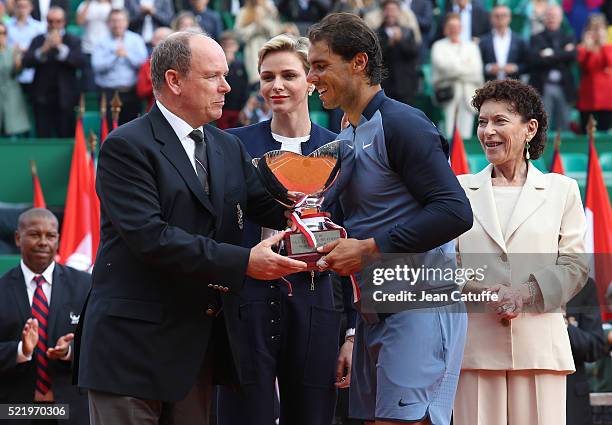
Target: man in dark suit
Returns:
[148, 15]
[588, 345]
[56, 57]
[37, 325]
[552, 54]
[400, 52]
[163, 314]
[475, 20]
[504, 53]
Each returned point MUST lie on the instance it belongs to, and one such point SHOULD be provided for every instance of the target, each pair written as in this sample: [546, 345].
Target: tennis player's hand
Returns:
[345, 256]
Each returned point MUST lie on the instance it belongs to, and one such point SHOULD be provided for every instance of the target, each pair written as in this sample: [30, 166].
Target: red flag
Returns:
[39, 198]
[599, 226]
[103, 129]
[76, 244]
[557, 165]
[458, 158]
[115, 123]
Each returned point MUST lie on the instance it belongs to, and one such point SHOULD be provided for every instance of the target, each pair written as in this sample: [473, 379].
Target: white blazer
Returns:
[544, 239]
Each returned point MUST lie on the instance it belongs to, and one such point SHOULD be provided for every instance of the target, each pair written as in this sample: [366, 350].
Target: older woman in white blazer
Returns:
[529, 230]
[458, 64]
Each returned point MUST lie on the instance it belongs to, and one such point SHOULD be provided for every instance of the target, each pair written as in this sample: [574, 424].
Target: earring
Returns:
[527, 146]
[311, 89]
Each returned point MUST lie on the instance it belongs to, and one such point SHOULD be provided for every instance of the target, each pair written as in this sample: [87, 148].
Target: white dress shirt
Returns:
[466, 21]
[501, 47]
[182, 130]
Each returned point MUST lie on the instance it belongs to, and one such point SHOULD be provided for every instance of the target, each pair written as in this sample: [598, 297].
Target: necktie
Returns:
[40, 310]
[201, 159]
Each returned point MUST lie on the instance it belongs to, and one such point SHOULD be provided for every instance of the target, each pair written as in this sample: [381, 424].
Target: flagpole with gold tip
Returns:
[116, 105]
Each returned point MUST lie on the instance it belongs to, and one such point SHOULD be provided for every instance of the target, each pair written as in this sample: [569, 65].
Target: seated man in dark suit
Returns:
[504, 53]
[40, 304]
[56, 57]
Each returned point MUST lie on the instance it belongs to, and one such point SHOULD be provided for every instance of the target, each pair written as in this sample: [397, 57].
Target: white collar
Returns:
[180, 127]
[29, 274]
[503, 37]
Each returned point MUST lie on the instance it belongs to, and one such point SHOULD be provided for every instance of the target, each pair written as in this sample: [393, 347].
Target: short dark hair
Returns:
[524, 100]
[34, 213]
[346, 35]
[449, 16]
[118, 11]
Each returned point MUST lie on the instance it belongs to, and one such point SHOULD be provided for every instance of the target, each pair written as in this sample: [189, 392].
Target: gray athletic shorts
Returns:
[406, 367]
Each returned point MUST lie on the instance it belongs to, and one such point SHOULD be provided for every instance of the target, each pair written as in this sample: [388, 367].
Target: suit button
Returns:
[225, 289]
[272, 303]
[210, 285]
[503, 257]
[210, 312]
[272, 286]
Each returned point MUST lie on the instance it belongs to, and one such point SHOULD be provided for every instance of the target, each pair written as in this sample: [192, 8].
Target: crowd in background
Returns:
[51, 51]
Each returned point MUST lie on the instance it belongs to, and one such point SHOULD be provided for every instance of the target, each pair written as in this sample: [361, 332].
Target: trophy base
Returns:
[297, 246]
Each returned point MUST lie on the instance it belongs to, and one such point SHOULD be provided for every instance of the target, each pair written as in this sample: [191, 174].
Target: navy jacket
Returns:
[517, 54]
[561, 60]
[55, 82]
[163, 246]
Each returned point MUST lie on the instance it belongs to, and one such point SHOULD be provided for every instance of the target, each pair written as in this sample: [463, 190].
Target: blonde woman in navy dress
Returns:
[294, 339]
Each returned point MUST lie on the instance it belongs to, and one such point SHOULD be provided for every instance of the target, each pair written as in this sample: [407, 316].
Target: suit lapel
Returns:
[481, 193]
[216, 168]
[531, 198]
[175, 153]
[58, 295]
[512, 52]
[20, 293]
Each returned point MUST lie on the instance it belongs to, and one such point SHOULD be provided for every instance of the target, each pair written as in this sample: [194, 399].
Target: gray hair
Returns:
[57, 9]
[172, 53]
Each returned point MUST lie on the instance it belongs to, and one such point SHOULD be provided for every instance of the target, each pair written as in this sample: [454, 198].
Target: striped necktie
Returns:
[201, 160]
[40, 311]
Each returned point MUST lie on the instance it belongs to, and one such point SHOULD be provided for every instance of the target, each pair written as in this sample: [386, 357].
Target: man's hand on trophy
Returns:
[265, 264]
[345, 256]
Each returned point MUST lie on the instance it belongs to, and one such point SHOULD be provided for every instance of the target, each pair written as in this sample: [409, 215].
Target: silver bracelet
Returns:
[532, 291]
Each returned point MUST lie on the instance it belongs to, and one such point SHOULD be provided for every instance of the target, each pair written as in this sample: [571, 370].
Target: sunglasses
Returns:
[55, 21]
